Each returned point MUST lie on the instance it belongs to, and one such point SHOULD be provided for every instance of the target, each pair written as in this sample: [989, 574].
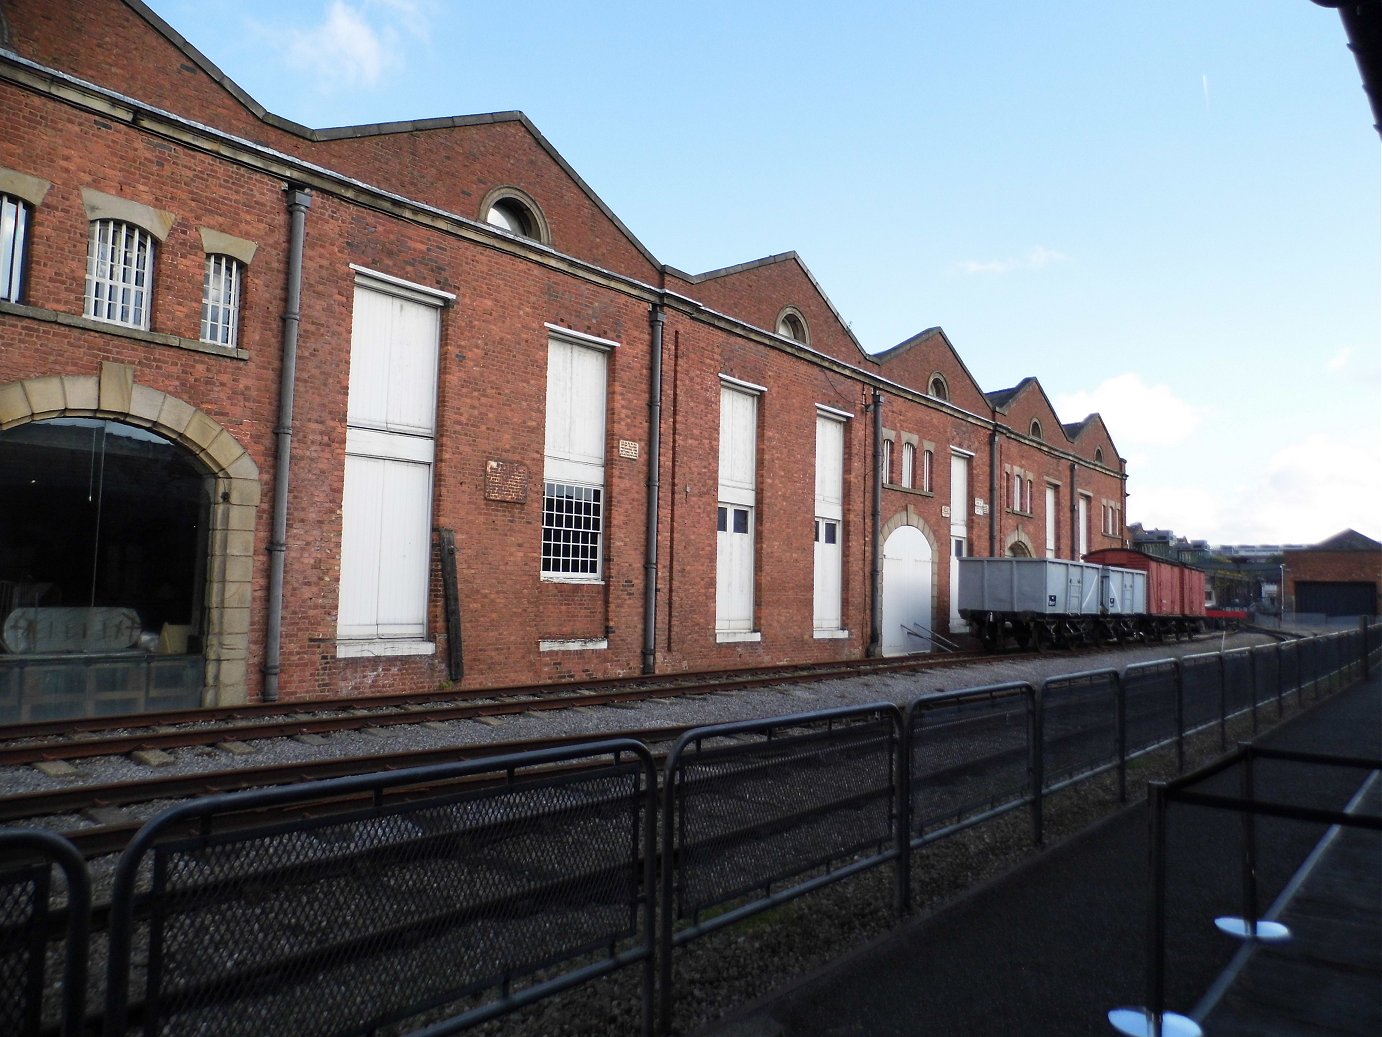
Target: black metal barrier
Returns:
[36, 913]
[759, 812]
[432, 899]
[1255, 925]
[400, 909]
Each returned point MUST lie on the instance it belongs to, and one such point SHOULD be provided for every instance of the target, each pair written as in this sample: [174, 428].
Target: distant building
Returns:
[1341, 576]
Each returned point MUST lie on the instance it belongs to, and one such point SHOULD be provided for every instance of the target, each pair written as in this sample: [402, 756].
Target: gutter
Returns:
[650, 561]
[299, 201]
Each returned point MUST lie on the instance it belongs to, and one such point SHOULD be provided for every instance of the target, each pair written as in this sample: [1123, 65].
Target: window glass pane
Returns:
[571, 528]
[221, 301]
[13, 229]
[741, 520]
[830, 532]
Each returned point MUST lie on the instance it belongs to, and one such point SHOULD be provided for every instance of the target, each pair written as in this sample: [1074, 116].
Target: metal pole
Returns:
[1156, 904]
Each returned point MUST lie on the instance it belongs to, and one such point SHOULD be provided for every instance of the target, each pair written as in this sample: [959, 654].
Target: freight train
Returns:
[1115, 594]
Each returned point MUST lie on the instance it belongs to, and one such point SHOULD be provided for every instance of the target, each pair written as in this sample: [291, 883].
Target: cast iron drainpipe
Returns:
[655, 318]
[875, 648]
[299, 201]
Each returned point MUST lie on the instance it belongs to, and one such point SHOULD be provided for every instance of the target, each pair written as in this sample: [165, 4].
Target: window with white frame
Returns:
[827, 611]
[119, 273]
[221, 300]
[887, 460]
[386, 512]
[574, 460]
[909, 464]
[1027, 496]
[928, 468]
[738, 497]
[14, 245]
[1015, 493]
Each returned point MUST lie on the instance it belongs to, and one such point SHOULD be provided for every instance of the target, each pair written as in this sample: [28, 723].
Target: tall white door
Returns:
[960, 507]
[1052, 503]
[907, 567]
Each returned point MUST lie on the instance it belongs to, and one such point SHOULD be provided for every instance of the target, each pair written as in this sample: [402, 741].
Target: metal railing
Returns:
[45, 902]
[760, 812]
[1255, 924]
[439, 897]
[400, 907]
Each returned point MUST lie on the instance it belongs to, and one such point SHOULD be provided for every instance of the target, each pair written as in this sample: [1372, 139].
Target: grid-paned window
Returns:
[574, 459]
[119, 273]
[572, 522]
[14, 239]
[221, 300]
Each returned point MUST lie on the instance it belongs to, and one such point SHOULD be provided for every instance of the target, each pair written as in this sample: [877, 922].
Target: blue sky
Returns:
[1166, 211]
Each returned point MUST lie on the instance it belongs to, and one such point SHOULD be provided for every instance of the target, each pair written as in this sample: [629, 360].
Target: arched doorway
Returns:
[136, 512]
[103, 552]
[907, 591]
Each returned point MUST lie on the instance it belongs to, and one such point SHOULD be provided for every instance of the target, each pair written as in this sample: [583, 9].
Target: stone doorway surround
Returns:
[114, 394]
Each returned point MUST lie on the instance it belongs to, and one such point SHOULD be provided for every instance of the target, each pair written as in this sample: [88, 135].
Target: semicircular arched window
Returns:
[1098, 455]
[791, 324]
[1035, 430]
[511, 210]
[938, 388]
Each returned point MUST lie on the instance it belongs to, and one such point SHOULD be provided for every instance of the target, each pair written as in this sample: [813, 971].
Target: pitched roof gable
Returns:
[914, 360]
[1348, 540]
[758, 290]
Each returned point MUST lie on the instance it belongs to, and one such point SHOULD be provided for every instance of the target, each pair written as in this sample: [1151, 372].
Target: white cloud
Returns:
[1038, 257]
[1136, 413]
[356, 44]
[1301, 493]
[1339, 360]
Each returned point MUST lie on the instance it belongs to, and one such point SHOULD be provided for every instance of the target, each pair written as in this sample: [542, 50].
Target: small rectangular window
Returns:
[221, 300]
[119, 273]
[741, 520]
[722, 520]
[14, 236]
[831, 530]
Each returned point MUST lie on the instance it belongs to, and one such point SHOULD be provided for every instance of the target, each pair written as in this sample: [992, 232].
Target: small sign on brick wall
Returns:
[506, 481]
[628, 448]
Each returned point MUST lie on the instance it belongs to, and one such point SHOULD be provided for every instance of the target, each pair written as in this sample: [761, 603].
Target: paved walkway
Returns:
[1050, 948]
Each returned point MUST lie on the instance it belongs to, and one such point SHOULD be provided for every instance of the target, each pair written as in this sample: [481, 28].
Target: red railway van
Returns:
[1173, 588]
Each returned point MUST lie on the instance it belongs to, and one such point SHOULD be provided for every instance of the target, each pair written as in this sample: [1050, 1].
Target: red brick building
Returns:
[1341, 576]
[305, 413]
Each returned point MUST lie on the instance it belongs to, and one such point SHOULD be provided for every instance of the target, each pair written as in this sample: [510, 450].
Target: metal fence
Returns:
[401, 907]
[759, 812]
[432, 899]
[45, 906]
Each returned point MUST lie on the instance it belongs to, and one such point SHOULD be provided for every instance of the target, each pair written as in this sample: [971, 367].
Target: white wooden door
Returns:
[907, 565]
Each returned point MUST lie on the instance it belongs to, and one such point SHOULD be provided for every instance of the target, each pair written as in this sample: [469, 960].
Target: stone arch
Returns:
[1021, 541]
[234, 509]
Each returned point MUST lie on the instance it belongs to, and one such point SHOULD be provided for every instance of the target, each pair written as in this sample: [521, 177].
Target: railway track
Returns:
[48, 741]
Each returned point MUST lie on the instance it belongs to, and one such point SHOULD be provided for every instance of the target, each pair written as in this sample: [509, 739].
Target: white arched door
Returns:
[906, 592]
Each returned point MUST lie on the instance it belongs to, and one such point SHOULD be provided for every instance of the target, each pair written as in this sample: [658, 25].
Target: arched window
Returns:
[1098, 455]
[791, 324]
[909, 464]
[938, 388]
[887, 460]
[1035, 430]
[512, 210]
[119, 273]
[928, 463]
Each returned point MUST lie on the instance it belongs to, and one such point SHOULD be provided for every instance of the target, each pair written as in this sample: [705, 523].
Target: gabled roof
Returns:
[929, 339]
[767, 261]
[1002, 399]
[340, 133]
[1348, 540]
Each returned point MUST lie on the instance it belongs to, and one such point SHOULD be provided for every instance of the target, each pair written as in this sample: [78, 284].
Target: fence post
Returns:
[903, 772]
[1223, 704]
[1180, 716]
[1120, 697]
[1036, 755]
[1250, 926]
[1363, 649]
[1252, 687]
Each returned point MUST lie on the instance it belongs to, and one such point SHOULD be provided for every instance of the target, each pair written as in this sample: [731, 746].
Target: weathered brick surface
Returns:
[491, 389]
